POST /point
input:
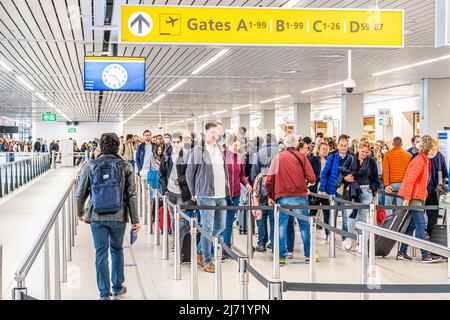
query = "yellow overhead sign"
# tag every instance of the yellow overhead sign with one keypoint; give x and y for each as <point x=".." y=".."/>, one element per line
<point x="261" y="26"/>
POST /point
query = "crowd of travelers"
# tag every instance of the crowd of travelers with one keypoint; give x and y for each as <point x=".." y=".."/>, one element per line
<point x="215" y="169"/>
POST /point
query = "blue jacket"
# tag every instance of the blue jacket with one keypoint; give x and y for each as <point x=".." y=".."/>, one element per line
<point x="140" y="155"/>
<point x="330" y="173"/>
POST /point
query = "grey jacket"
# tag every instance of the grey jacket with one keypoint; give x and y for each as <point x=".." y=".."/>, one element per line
<point x="84" y="191"/>
<point x="263" y="158"/>
<point x="199" y="172"/>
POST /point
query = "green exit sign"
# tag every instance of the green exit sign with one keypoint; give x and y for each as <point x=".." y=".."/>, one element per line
<point x="72" y="130"/>
<point x="48" y="117"/>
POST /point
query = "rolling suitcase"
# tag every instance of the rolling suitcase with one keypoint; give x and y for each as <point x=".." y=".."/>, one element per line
<point x="185" y="243"/>
<point x="161" y="219"/>
<point x="399" y="222"/>
<point x="439" y="233"/>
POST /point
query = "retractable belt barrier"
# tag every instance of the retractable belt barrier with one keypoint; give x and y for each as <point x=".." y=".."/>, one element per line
<point x="275" y="285"/>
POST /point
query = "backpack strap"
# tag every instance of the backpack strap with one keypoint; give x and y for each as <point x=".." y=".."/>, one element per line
<point x="299" y="161"/>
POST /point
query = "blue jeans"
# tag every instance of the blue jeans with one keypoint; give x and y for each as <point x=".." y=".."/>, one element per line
<point x="291" y="234"/>
<point x="226" y="234"/>
<point x="390" y="200"/>
<point x="213" y="222"/>
<point x="262" y="228"/>
<point x="344" y="217"/>
<point x="108" y="234"/>
<point x="365" y="198"/>
<point x="303" y="225"/>
<point x="381" y="197"/>
<point x="417" y="223"/>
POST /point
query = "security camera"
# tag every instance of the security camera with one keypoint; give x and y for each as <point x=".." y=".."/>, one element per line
<point x="160" y="127"/>
<point x="349" y="85"/>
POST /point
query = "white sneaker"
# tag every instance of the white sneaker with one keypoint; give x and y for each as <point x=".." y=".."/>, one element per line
<point x="348" y="244"/>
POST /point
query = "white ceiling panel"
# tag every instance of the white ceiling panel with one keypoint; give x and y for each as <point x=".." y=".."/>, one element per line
<point x="45" y="41"/>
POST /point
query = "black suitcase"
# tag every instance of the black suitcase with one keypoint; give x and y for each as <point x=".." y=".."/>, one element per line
<point x="185" y="243"/>
<point x="399" y="222"/>
<point x="439" y="233"/>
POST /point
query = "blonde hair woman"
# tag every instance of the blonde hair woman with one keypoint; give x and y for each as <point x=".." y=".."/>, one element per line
<point x="414" y="191"/>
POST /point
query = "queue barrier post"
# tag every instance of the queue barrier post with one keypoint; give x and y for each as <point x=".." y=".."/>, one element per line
<point x="312" y="255"/>
<point x="194" y="271"/>
<point x="156" y="235"/>
<point x="275" y="289"/>
<point x="243" y="277"/>
<point x="177" y="245"/>
<point x="249" y="230"/>
<point x="165" y="244"/>
<point x="218" y="294"/>
<point x="63" y="244"/>
<point x="150" y="210"/>
<point x="56" y="262"/>
<point x="1" y="271"/>
<point x="145" y="203"/>
<point x="372" y="219"/>
<point x="46" y="276"/>
<point x="276" y="245"/>
<point x="331" y="234"/>
<point x="364" y="269"/>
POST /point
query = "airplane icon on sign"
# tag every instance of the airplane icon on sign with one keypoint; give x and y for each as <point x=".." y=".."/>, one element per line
<point x="172" y="21"/>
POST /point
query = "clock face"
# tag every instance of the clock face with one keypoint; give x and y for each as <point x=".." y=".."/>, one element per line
<point x="114" y="76"/>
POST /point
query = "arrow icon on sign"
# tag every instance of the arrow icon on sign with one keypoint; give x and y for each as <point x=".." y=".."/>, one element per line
<point x="140" y="20"/>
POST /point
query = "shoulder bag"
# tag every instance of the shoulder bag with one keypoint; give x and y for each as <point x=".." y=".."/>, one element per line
<point x="441" y="188"/>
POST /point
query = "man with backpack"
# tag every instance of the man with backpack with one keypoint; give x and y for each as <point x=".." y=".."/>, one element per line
<point x="109" y="181"/>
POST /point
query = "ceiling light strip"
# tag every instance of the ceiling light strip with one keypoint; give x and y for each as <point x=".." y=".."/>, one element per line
<point x="210" y="61"/>
<point x="323" y="87"/>
<point x="242" y="107"/>
<point x="177" y="85"/>
<point x="275" y="99"/>
<point x="5" y="66"/>
<point x="409" y="66"/>
<point x="25" y="83"/>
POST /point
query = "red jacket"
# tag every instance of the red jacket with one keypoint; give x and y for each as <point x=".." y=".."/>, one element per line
<point x="286" y="178"/>
<point x="236" y="172"/>
<point x="414" y="185"/>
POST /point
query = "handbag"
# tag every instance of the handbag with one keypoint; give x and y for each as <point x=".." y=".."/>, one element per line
<point x="153" y="178"/>
<point x="441" y="188"/>
<point x="344" y="191"/>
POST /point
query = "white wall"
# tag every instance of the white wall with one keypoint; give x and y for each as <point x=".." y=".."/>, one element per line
<point x="86" y="131"/>
<point x="402" y="118"/>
